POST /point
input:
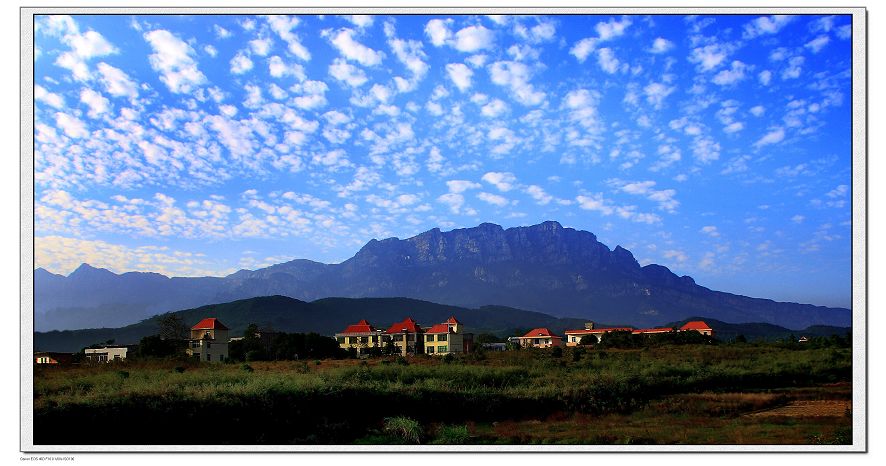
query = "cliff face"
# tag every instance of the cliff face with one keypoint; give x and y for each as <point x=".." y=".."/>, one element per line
<point x="545" y="267"/>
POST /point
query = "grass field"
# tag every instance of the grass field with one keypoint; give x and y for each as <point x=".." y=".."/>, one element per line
<point x="693" y="394"/>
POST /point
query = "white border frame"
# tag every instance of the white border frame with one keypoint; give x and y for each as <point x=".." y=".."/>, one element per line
<point x="859" y="232"/>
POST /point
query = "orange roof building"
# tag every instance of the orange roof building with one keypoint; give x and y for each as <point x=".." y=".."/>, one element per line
<point x="540" y="338"/>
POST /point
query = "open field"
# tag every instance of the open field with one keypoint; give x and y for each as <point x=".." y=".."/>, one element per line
<point x="694" y="394"/>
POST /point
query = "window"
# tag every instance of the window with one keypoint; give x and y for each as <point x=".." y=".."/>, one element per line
<point x="398" y="337"/>
<point x="374" y="339"/>
<point x="430" y="349"/>
<point x="221" y="357"/>
<point x="443" y="349"/>
<point x="208" y="357"/>
<point x="410" y="337"/>
<point x="364" y="340"/>
<point x="208" y="345"/>
<point x="441" y="337"/>
<point x="341" y="340"/>
<point x="430" y="338"/>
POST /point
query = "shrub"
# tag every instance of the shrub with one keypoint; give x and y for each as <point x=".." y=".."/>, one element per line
<point x="123" y="374"/>
<point x="452" y="435"/>
<point x="577" y="353"/>
<point x="247" y="367"/>
<point x="557" y="352"/>
<point x="401" y="361"/>
<point x="448" y="358"/>
<point x="316" y="362"/>
<point x="179" y="369"/>
<point x="406" y="429"/>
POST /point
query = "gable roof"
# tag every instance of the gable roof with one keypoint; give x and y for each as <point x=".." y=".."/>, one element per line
<point x="452" y="320"/>
<point x="209" y="323"/>
<point x="438" y="328"/>
<point x="407" y="324"/>
<point x="542" y="332"/>
<point x="696" y="325"/>
<point x="360" y="327"/>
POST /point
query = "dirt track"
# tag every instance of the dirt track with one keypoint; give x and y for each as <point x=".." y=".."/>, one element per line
<point x="814" y="408"/>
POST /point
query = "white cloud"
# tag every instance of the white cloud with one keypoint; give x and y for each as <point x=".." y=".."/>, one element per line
<point x="594" y="202"/>
<point x="172" y="58"/>
<point x="460" y="186"/>
<point x="607" y="61"/>
<point x="731" y="76"/>
<point x="538" y="193"/>
<point x="353" y="50"/>
<point x="815" y="45"/>
<point x="117" y="82"/>
<point x="53" y="100"/>
<point x="612" y="28"/>
<point x="438" y="31"/>
<point x="583" y="48"/>
<point x="347" y="73"/>
<point x="283" y="25"/>
<point x="493" y="199"/>
<point x="794" y="68"/>
<point x="97" y="103"/>
<point x="758" y="110"/>
<point x="494" y="108"/>
<point x="515" y="76"/>
<point x="676" y="255"/>
<point x="710" y="230"/>
<point x="504" y="181"/>
<point x="734" y="127"/>
<point x="661" y="45"/>
<point x="765" y="77"/>
<point x="261" y="47"/>
<point x="454" y="201"/>
<point x="774" y="136"/>
<point x="766" y="25"/>
<point x="70" y="125"/>
<point x="278" y="68"/>
<point x="656" y="93"/>
<point x="542" y="32"/>
<point x="460" y="74"/>
<point x="474" y="38"/>
<point x="710" y="56"/>
<point x="798" y="219"/>
<point x="240" y="63"/>
<point x="361" y="21"/>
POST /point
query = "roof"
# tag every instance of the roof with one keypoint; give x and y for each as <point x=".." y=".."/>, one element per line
<point x="654" y="330"/>
<point x="209" y="323"/>
<point x="360" y="327"/>
<point x="696" y="325"/>
<point x="438" y="328"/>
<point x="407" y="324"/>
<point x="585" y="331"/>
<point x="452" y="320"/>
<point x="539" y="332"/>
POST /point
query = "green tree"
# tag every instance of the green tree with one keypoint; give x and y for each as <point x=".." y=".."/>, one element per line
<point x="588" y="340"/>
<point x="171" y="327"/>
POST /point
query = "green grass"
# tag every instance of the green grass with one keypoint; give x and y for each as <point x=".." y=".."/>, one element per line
<point x="349" y="401"/>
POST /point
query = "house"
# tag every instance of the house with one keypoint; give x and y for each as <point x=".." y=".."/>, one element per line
<point x="108" y="353"/>
<point x="699" y="326"/>
<point x="573" y="337"/>
<point x="540" y="338"/>
<point x="495" y="346"/>
<point x="209" y="340"/>
<point x="361" y="336"/>
<point x="448" y="337"/>
<point x="54" y="358"/>
<point x="407" y="337"/>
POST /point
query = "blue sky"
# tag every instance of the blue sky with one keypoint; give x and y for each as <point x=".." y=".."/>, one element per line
<point x="718" y="146"/>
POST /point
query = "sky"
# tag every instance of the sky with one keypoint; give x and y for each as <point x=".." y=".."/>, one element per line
<point x="718" y="146"/>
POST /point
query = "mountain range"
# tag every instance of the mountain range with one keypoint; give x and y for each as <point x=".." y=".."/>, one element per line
<point x="544" y="268"/>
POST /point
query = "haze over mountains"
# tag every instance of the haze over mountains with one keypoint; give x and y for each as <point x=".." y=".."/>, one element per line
<point x="544" y="268"/>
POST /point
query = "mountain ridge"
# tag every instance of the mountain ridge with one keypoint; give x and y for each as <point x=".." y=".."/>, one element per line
<point x="545" y="268"/>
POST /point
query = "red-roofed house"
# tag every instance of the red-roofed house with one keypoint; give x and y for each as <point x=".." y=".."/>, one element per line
<point x="209" y="340"/>
<point x="361" y="336"/>
<point x="540" y="338"/>
<point x="699" y="326"/>
<point x="448" y="337"/>
<point x="573" y="337"/>
<point x="407" y="336"/>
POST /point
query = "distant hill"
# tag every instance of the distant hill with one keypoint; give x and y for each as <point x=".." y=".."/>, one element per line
<point x="324" y="316"/>
<point x="545" y="268"/>
<point x="330" y="315"/>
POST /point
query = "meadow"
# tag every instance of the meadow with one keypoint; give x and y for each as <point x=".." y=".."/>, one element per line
<point x="688" y="394"/>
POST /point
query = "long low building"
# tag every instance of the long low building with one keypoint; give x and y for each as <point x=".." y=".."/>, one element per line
<point x="573" y="337"/>
<point x="407" y="337"/>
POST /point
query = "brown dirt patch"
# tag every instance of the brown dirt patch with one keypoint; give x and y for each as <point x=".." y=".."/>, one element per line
<point x="809" y="408"/>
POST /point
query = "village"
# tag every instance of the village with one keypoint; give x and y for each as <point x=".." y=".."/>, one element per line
<point x="209" y="340"/>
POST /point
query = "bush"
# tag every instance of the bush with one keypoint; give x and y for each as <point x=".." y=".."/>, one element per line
<point x="179" y="369"/>
<point x="452" y="435"/>
<point x="577" y="353"/>
<point x="401" y="361"/>
<point x="123" y="374"/>
<point x="405" y="429"/>
<point x="557" y="352"/>
<point x="247" y="368"/>
<point x="448" y="358"/>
